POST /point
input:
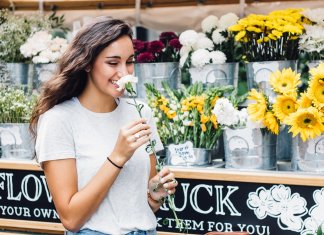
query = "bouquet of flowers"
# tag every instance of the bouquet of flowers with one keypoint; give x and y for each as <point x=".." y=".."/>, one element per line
<point x="271" y="115"/>
<point x="312" y="41"/>
<point x="214" y="45"/>
<point x="187" y="114"/>
<point x="15" y="106"/>
<point x="270" y="37"/>
<point x="41" y="47"/>
<point x="166" y="49"/>
<point x="15" y="30"/>
<point x="307" y="116"/>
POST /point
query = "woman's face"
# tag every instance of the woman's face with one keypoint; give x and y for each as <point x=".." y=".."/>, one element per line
<point x="114" y="62"/>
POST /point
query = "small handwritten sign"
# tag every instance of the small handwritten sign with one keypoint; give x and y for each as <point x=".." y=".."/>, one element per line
<point x="182" y="153"/>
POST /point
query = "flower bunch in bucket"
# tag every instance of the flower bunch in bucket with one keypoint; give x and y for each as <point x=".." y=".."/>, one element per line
<point x="307" y="116"/>
<point x="15" y="106"/>
<point x="166" y="49"/>
<point x="186" y="114"/>
<point x="312" y="41"/>
<point x="214" y="45"/>
<point x="270" y="37"/>
<point x="41" y="47"/>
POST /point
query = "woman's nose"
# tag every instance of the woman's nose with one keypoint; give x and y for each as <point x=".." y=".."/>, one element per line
<point x="123" y="71"/>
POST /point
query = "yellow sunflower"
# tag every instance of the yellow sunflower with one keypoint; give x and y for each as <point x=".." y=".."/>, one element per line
<point x="283" y="106"/>
<point x="257" y="110"/>
<point x="304" y="101"/>
<point x="285" y="81"/>
<point x="271" y="122"/>
<point x="316" y="93"/>
<point x="317" y="75"/>
<point x="306" y="122"/>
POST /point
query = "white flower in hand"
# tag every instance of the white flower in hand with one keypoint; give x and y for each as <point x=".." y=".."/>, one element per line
<point x="124" y="80"/>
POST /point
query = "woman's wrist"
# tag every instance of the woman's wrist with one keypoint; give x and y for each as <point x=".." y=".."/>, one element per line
<point x="116" y="159"/>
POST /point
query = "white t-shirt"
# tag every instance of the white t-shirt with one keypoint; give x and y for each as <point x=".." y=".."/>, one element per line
<point x="69" y="130"/>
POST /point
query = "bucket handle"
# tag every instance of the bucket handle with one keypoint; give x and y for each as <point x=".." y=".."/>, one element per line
<point x="241" y="139"/>
<point x="316" y="144"/>
<point x="213" y="71"/>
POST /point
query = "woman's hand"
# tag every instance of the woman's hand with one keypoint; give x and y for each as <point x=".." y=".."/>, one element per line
<point x="130" y="138"/>
<point x="162" y="185"/>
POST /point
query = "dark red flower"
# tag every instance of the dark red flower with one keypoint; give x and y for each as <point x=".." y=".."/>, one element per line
<point x="155" y="47"/>
<point x="175" y="44"/>
<point x="139" y="46"/>
<point x="166" y="37"/>
<point x="145" y="57"/>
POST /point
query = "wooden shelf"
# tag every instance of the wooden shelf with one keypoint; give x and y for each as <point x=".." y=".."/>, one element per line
<point x="113" y="4"/>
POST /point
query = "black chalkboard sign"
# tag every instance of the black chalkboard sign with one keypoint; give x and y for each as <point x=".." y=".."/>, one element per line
<point x="262" y="203"/>
<point x="258" y="208"/>
<point x="24" y="196"/>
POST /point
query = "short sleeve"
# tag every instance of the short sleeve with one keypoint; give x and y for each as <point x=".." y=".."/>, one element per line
<point x="54" y="139"/>
<point x="151" y="121"/>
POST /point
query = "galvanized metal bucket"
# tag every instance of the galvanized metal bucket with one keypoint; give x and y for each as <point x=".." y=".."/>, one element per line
<point x="201" y="157"/>
<point x="216" y="74"/>
<point x="19" y="74"/>
<point x="42" y="73"/>
<point x="284" y="142"/>
<point x="155" y="73"/>
<point x="248" y="148"/>
<point x="16" y="141"/>
<point x="258" y="74"/>
<point x="309" y="155"/>
<point x="314" y="63"/>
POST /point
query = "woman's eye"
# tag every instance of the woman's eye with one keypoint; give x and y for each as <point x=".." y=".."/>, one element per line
<point x="112" y="63"/>
<point x="130" y="62"/>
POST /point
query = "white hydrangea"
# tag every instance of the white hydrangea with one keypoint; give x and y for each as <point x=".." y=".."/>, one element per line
<point x="42" y="48"/>
<point x="204" y="43"/>
<point x="209" y="23"/>
<point x="217" y="57"/>
<point x="227" y="20"/>
<point x="217" y="37"/>
<point x="315" y="15"/>
<point x="199" y="58"/>
<point x="188" y="38"/>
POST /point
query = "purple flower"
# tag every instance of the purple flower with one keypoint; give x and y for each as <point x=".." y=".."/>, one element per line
<point x="175" y="44"/>
<point x="155" y="47"/>
<point x="139" y="46"/>
<point x="166" y="37"/>
<point x="145" y="57"/>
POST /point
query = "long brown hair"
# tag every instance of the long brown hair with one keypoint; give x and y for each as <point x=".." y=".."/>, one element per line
<point x="71" y="78"/>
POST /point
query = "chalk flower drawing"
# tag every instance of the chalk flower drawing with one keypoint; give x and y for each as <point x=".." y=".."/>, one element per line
<point x="279" y="203"/>
<point x="261" y="202"/>
<point x="316" y="213"/>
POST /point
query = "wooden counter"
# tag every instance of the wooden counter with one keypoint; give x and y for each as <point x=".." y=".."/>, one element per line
<point x="207" y="199"/>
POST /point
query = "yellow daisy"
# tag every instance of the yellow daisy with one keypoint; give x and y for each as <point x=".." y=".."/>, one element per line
<point x="304" y="101"/>
<point x="271" y="122"/>
<point x="285" y="81"/>
<point x="306" y="122"/>
<point x="257" y="110"/>
<point x="283" y="106"/>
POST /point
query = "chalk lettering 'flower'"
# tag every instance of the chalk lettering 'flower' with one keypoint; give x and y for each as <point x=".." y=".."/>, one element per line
<point x="124" y="80"/>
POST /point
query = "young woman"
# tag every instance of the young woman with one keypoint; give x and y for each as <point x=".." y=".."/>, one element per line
<point x="92" y="144"/>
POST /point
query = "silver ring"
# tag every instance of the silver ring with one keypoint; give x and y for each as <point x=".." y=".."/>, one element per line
<point x="175" y="181"/>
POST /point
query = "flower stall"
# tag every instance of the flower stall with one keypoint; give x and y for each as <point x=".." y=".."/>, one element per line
<point x="226" y="150"/>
